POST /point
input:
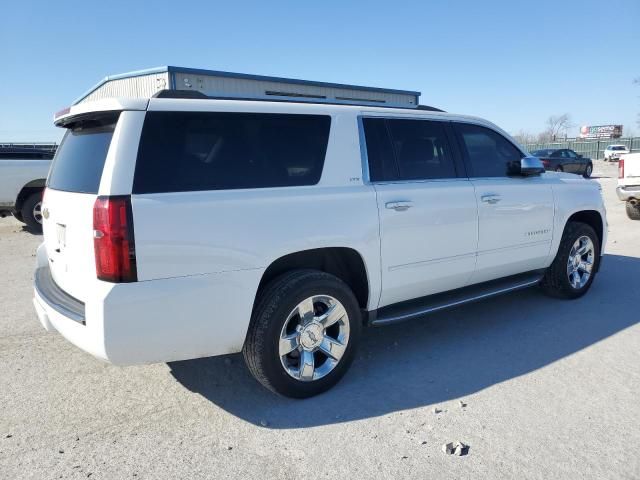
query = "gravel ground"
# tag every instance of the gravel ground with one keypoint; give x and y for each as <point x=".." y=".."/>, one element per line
<point x="551" y="391"/>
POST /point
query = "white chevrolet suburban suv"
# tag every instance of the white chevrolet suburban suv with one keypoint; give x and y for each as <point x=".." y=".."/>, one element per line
<point x="183" y="228"/>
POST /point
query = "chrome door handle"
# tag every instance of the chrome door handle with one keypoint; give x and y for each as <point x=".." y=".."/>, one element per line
<point x="490" y="198"/>
<point x="399" y="206"/>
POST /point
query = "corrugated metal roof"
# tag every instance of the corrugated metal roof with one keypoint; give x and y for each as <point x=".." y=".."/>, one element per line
<point x="216" y="73"/>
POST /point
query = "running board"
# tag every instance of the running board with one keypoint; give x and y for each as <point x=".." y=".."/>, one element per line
<point x="433" y="303"/>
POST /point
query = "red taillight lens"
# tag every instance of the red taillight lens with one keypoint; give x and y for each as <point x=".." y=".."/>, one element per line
<point x="621" y="168"/>
<point x="113" y="239"/>
<point x="546" y="163"/>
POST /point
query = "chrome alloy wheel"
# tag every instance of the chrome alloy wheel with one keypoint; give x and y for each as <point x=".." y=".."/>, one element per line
<point x="580" y="262"/>
<point x="314" y="338"/>
<point x="37" y="212"/>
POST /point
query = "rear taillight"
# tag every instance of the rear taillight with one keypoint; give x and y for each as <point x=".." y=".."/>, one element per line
<point x="113" y="239"/>
<point x="621" y="168"/>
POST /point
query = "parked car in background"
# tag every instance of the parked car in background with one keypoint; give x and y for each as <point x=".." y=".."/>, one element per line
<point x="177" y="228"/>
<point x="629" y="184"/>
<point x="23" y="173"/>
<point x="613" y="152"/>
<point x="564" y="160"/>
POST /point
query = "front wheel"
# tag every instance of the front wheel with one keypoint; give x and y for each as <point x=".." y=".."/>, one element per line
<point x="588" y="171"/>
<point x="303" y="333"/>
<point x="574" y="268"/>
<point x="633" y="211"/>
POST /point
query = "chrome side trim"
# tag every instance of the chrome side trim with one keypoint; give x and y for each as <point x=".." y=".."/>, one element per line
<point x="364" y="158"/>
<point x="436" y="308"/>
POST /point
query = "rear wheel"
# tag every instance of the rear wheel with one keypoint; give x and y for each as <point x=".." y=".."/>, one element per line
<point x="31" y="211"/>
<point x="633" y="211"/>
<point x="588" y="171"/>
<point x="573" y="270"/>
<point x="303" y="333"/>
<point x="559" y="169"/>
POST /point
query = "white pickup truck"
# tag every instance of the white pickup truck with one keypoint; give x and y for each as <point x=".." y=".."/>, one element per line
<point x="177" y="228"/>
<point x="629" y="184"/>
<point x="23" y="173"/>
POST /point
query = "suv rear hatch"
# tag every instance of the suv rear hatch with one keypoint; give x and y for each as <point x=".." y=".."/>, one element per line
<point x="72" y="189"/>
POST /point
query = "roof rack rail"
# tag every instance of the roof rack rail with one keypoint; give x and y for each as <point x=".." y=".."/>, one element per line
<point x="197" y="95"/>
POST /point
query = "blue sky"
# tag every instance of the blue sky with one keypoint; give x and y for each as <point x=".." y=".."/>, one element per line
<point x="512" y="62"/>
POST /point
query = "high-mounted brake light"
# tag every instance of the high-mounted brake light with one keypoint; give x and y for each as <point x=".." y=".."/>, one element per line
<point x="62" y="112"/>
<point x="113" y="239"/>
<point x="621" y="168"/>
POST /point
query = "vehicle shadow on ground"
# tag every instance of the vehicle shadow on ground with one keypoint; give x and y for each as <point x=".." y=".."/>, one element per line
<point x="32" y="231"/>
<point x="435" y="359"/>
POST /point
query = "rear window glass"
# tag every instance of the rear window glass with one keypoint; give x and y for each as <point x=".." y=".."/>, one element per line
<point x="617" y="148"/>
<point x="194" y="151"/>
<point x="77" y="166"/>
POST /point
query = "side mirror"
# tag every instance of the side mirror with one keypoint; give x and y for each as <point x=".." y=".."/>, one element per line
<point x="530" y="166"/>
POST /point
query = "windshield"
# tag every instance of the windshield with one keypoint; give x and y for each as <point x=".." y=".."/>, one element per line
<point x="77" y="166"/>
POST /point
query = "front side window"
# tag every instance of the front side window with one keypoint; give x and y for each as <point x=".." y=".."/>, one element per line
<point x="196" y="151"/>
<point x="401" y="149"/>
<point x="489" y="153"/>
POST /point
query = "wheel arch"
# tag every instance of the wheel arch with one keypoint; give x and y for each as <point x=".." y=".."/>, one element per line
<point x="344" y="262"/>
<point x="593" y="218"/>
<point x="30" y="188"/>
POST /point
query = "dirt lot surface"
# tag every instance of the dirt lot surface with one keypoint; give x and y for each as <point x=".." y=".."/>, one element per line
<point x="551" y="390"/>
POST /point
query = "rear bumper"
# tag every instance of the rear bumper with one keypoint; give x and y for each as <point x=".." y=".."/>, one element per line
<point x="158" y="320"/>
<point x="627" y="193"/>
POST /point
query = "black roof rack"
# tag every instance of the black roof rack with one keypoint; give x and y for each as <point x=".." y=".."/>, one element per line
<point x="197" y="95"/>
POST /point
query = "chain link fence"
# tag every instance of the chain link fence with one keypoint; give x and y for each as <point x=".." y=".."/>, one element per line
<point x="589" y="148"/>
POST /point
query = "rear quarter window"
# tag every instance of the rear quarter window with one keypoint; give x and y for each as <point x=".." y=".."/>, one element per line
<point x="79" y="161"/>
<point x="196" y="151"/>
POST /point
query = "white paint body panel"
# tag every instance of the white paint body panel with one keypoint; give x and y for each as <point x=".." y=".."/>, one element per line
<point x="201" y="255"/>
<point x="15" y="174"/>
<point x="515" y="233"/>
<point x="631" y="170"/>
<point x="430" y="247"/>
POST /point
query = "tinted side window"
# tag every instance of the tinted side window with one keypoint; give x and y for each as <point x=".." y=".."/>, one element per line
<point x="191" y="151"/>
<point x="382" y="166"/>
<point x="77" y="166"/>
<point x="489" y="153"/>
<point x="421" y="149"/>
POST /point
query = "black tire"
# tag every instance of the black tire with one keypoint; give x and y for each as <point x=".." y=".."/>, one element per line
<point x="18" y="216"/>
<point x="633" y="211"/>
<point x="556" y="279"/>
<point x="588" y="171"/>
<point x="274" y="304"/>
<point x="559" y="169"/>
<point x="27" y="212"/>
